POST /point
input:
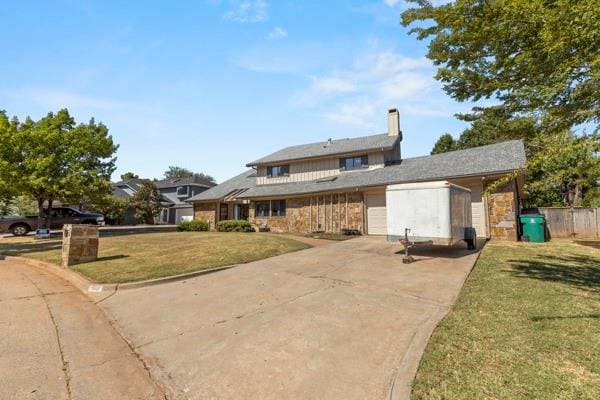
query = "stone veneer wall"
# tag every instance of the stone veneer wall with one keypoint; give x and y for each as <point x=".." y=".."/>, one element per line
<point x="80" y="244"/>
<point x="328" y="213"/>
<point x="502" y="211"/>
<point x="206" y="212"/>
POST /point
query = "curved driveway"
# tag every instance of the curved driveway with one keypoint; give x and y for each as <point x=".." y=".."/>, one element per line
<point x="342" y="321"/>
<point x="56" y="344"/>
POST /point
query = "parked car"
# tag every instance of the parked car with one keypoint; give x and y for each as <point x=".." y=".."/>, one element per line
<point x="21" y="225"/>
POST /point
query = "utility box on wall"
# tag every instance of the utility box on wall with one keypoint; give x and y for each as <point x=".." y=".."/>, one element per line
<point x="80" y="244"/>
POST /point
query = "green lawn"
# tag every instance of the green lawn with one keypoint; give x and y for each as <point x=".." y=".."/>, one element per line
<point x="526" y="326"/>
<point x="135" y="257"/>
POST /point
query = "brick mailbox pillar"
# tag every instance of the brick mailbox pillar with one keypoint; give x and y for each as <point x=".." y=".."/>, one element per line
<point x="80" y="244"/>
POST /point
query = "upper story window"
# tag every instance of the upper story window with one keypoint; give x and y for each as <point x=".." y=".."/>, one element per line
<point x="182" y="190"/>
<point x="357" y="162"/>
<point x="278" y="170"/>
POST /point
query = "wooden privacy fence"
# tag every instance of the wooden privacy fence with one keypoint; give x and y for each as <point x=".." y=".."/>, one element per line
<point x="572" y="222"/>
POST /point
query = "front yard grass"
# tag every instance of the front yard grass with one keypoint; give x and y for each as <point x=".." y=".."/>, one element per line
<point x="526" y="326"/>
<point x="136" y="257"/>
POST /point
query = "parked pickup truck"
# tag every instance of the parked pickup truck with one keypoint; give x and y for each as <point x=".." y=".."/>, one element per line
<point x="20" y="226"/>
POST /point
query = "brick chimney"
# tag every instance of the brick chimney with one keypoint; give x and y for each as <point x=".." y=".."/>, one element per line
<point x="394" y="123"/>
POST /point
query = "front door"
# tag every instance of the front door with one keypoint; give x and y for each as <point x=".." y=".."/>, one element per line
<point x="223" y="212"/>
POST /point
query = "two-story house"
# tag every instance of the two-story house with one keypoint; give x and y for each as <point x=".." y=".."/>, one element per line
<point x="173" y="192"/>
<point x="340" y="184"/>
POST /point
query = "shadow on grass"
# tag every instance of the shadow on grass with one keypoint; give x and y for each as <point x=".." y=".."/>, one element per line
<point x="590" y="243"/>
<point x="30" y="247"/>
<point x="108" y="258"/>
<point x="576" y="271"/>
<point x="558" y="317"/>
<point x="109" y="232"/>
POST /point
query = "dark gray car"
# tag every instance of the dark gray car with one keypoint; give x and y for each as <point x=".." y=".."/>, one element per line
<point x="20" y="226"/>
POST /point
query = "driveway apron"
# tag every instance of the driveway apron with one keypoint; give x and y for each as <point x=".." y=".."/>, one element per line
<point x="343" y="321"/>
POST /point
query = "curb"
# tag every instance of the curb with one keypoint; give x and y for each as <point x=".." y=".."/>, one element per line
<point x="174" y="278"/>
<point x="76" y="279"/>
<point x="83" y="284"/>
<point x="88" y="287"/>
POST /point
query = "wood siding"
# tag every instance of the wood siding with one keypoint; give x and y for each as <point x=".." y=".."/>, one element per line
<point x="314" y="169"/>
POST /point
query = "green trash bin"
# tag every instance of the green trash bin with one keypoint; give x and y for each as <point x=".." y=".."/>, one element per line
<point x="534" y="227"/>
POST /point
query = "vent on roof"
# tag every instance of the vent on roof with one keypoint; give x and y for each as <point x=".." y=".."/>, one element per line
<point x="327" y="179"/>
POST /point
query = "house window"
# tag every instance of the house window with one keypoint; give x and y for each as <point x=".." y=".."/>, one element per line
<point x="223" y="212"/>
<point x="182" y="191"/>
<point x="357" y="162"/>
<point x="278" y="208"/>
<point x="262" y="209"/>
<point x="278" y="170"/>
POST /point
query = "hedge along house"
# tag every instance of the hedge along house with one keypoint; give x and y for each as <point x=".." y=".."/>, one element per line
<point x="339" y="185"/>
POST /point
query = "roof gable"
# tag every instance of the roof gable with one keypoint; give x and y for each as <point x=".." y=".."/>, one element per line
<point x="330" y="148"/>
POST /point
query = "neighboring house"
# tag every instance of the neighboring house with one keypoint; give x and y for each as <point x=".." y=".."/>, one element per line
<point x="340" y="184"/>
<point x="173" y="192"/>
<point x="124" y="190"/>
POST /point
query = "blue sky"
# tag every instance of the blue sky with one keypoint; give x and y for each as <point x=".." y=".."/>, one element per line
<point x="210" y="85"/>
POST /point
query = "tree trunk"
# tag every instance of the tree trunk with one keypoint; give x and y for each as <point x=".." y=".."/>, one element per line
<point x="49" y="211"/>
<point x="41" y="219"/>
<point x="578" y="196"/>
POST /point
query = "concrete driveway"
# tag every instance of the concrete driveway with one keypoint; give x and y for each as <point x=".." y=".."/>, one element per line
<point x="342" y="321"/>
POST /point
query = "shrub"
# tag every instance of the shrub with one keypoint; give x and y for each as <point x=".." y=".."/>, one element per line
<point x="193" y="226"/>
<point x="234" y="225"/>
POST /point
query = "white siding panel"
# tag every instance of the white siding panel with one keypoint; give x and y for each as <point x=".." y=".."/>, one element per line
<point x="314" y="169"/>
<point x="478" y="208"/>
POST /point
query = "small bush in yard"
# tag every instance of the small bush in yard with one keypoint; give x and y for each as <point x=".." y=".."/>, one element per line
<point x="234" y="225"/>
<point x="193" y="226"/>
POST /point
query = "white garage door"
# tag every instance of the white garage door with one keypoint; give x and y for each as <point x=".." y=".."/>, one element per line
<point x="479" y="212"/>
<point x="184" y="214"/>
<point x="376" y="214"/>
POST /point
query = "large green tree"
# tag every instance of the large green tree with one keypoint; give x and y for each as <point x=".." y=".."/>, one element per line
<point x="174" y="172"/>
<point x="444" y="144"/>
<point x="536" y="66"/>
<point x="536" y="57"/>
<point x="55" y="159"/>
<point x="129" y="175"/>
<point x="146" y="202"/>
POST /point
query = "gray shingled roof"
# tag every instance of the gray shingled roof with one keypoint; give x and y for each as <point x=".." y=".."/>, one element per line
<point x="244" y="180"/>
<point x="320" y="149"/>
<point x="188" y="180"/>
<point x="484" y="160"/>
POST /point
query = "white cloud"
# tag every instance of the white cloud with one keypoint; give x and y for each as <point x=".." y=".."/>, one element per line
<point x="391" y="3"/>
<point x="248" y="11"/>
<point x="376" y="81"/>
<point x="333" y="85"/>
<point x="277" y="33"/>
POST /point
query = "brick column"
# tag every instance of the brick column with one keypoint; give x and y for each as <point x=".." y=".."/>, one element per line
<point x="80" y="244"/>
<point x="502" y="212"/>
